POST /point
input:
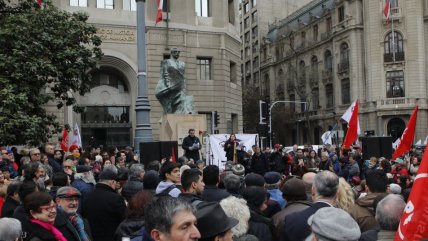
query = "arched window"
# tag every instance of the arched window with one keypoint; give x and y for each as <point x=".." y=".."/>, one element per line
<point x="328" y="60"/>
<point x="302" y="71"/>
<point x="314" y="65"/>
<point x="393" y="47"/>
<point x="110" y="78"/>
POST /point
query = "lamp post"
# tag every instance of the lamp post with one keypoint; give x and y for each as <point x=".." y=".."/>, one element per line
<point x="270" y="115"/>
<point x="143" y="131"/>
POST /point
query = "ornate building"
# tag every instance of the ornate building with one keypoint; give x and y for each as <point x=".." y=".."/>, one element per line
<point x="206" y="32"/>
<point x="332" y="52"/>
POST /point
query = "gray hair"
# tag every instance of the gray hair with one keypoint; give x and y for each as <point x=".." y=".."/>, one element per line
<point x="232" y="182"/>
<point x="10" y="229"/>
<point x="111" y="168"/>
<point x="159" y="214"/>
<point x="135" y="170"/>
<point x="237" y="208"/>
<point x="326" y="184"/>
<point x="389" y="211"/>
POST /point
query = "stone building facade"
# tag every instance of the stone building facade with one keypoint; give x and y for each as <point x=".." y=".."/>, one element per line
<point x="207" y="34"/>
<point x="331" y="52"/>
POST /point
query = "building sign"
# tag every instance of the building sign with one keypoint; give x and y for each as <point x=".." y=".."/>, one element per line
<point x="117" y="35"/>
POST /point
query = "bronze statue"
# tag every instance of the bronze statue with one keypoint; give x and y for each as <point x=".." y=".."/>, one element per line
<point x="171" y="88"/>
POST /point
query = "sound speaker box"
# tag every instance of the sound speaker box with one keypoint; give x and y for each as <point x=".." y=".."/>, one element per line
<point x="377" y="146"/>
<point x="151" y="151"/>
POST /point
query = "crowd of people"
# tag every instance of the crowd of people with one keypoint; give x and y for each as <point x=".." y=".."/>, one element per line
<point x="97" y="194"/>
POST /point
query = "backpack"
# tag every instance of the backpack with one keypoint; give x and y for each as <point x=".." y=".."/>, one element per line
<point x="166" y="191"/>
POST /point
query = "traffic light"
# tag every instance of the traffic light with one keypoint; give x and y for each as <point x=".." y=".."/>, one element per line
<point x="216" y="118"/>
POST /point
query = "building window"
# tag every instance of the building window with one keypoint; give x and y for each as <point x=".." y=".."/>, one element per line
<point x="105" y="114"/>
<point x="341" y="13"/>
<point x="314" y="69"/>
<point x="247" y="36"/>
<point x="130" y="5"/>
<point x="315" y="32"/>
<point x="254" y="17"/>
<point x="246" y="22"/>
<point x="202" y="8"/>
<point x="344" y="58"/>
<point x="255" y="47"/>
<point x="109" y="79"/>
<point x="255" y="32"/>
<point x="79" y="3"/>
<point x="246" y="8"/>
<point x="328" y="60"/>
<point x="393" y="47"/>
<point x="292" y="102"/>
<point x="328" y="24"/>
<point x="303" y="104"/>
<point x="266" y="87"/>
<point x="253" y="3"/>
<point x="247" y="52"/>
<point x="302" y="71"/>
<point x="256" y="62"/>
<point x="329" y="94"/>
<point x="394" y="3"/>
<point x="315" y="99"/>
<point x="232" y="71"/>
<point x="204" y="68"/>
<point x="231" y="9"/>
<point x="107" y="4"/>
<point x="395" y="84"/>
<point x="346" y="91"/>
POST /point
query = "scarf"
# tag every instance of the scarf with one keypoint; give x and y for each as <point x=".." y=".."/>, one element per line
<point x="58" y="235"/>
<point x="78" y="224"/>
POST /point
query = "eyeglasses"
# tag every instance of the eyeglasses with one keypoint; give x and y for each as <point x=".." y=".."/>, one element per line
<point x="50" y="208"/>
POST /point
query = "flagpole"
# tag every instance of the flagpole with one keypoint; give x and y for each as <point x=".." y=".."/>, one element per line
<point x="167" y="29"/>
<point x="392" y="31"/>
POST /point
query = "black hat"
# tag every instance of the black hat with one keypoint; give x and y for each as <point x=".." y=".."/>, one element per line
<point x="83" y="168"/>
<point x="108" y="175"/>
<point x="272" y="177"/>
<point x="212" y="220"/>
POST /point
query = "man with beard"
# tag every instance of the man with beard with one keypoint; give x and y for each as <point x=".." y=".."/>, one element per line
<point x="68" y="221"/>
<point x="193" y="186"/>
<point x="84" y="180"/>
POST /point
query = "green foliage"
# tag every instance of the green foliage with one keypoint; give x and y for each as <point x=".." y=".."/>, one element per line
<point x="46" y="55"/>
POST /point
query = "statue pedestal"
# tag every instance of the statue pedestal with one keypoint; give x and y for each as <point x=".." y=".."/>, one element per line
<point x="175" y="127"/>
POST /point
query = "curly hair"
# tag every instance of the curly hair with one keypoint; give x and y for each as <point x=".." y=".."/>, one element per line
<point x="237" y="208"/>
<point x="345" y="196"/>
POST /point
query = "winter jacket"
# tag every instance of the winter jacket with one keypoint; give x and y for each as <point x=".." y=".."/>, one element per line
<point x="214" y="194"/>
<point x="130" y="227"/>
<point x="260" y="226"/>
<point x="169" y="188"/>
<point x="36" y="232"/>
<point x="188" y="142"/>
<point x="291" y="207"/>
<point x="83" y="187"/>
<point x="8" y="207"/>
<point x="191" y="198"/>
<point x="259" y="164"/>
<point x="363" y="212"/>
<point x="63" y="224"/>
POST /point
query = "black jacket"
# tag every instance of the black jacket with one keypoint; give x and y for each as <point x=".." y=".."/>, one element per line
<point x="63" y="224"/>
<point x="131" y="187"/>
<point x="36" y="232"/>
<point x="259" y="164"/>
<point x="193" y="199"/>
<point x="129" y="228"/>
<point x="188" y="141"/>
<point x="229" y="148"/>
<point x="260" y="226"/>
<point x="104" y="208"/>
<point x="8" y="207"/>
<point x="214" y="194"/>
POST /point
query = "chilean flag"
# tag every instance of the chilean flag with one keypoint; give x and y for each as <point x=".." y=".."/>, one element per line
<point x="413" y="224"/>
<point x="407" y="137"/>
<point x="353" y="125"/>
<point x="387" y="9"/>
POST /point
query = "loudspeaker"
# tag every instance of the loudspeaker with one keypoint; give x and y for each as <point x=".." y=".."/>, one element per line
<point x="151" y="151"/>
<point x="377" y="146"/>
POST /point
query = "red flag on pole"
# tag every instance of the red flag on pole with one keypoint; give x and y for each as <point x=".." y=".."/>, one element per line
<point x="407" y="137"/>
<point x="173" y="158"/>
<point x="387" y="9"/>
<point x="352" y="133"/>
<point x="160" y="9"/>
<point x="64" y="141"/>
<point x="413" y="224"/>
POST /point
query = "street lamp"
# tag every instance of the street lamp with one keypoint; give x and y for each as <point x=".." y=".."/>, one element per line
<point x="270" y="115"/>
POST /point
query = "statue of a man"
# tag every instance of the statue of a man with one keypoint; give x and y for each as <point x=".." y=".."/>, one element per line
<point x="171" y="88"/>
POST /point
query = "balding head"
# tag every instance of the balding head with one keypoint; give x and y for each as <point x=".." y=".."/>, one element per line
<point x="389" y="211"/>
<point x="325" y="185"/>
<point x="308" y="179"/>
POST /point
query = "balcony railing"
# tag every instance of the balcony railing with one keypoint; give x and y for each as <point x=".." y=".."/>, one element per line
<point x="343" y="67"/>
<point x="389" y="57"/>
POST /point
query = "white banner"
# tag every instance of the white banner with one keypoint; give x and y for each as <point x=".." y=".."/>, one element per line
<point x="216" y="155"/>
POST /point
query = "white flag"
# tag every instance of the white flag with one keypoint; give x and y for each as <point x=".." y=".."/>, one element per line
<point x="418" y="143"/>
<point x="76" y="140"/>
<point x="395" y="144"/>
<point x="347" y="116"/>
<point x="326" y="138"/>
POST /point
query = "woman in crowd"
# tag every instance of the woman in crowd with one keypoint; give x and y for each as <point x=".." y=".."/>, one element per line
<point x="313" y="161"/>
<point x="345" y="196"/>
<point x="413" y="165"/>
<point x="41" y="211"/>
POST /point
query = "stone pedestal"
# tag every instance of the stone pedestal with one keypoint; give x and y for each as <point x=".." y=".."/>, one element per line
<point x="176" y="127"/>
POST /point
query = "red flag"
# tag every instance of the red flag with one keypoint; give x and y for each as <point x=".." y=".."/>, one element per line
<point x="159" y="14"/>
<point x="387" y="9"/>
<point x="413" y="224"/>
<point x="173" y="155"/>
<point x="352" y="133"/>
<point x="64" y="141"/>
<point x="407" y="137"/>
